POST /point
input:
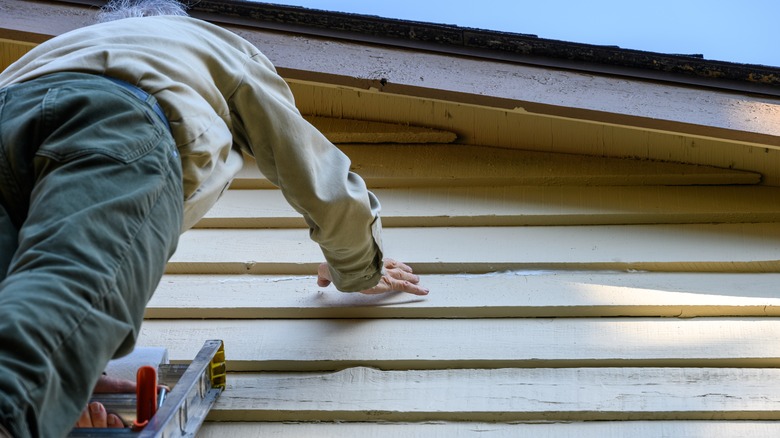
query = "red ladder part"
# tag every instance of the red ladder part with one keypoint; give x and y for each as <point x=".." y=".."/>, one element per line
<point x="146" y="396"/>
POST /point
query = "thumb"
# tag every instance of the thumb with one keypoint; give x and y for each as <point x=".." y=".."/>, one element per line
<point x="323" y="275"/>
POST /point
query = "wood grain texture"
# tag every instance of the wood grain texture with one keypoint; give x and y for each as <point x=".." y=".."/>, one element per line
<point x="404" y="344"/>
<point x="522" y="205"/>
<point x="536" y="90"/>
<point x="10" y="51"/>
<point x="438" y="429"/>
<point x="466" y="165"/>
<point x="505" y="395"/>
<point x="491" y="347"/>
<point x="363" y="131"/>
<point x="686" y="136"/>
<point x="525" y="89"/>
<point x="699" y="247"/>
<point x="517" y="294"/>
<point x="517" y="130"/>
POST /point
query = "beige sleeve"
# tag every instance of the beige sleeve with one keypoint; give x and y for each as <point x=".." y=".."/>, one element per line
<point x="313" y="174"/>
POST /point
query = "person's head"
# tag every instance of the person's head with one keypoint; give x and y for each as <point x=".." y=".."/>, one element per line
<point x="118" y="9"/>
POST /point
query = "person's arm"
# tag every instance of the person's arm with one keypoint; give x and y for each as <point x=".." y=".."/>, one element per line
<point x="313" y="175"/>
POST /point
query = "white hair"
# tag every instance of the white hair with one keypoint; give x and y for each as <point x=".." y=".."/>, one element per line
<point x="118" y="9"/>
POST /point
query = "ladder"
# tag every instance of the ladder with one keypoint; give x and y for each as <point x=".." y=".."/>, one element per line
<point x="180" y="412"/>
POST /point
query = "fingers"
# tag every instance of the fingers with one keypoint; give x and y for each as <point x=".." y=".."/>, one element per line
<point x="108" y="384"/>
<point x="85" y="420"/>
<point x="95" y="415"/>
<point x="323" y="275"/>
<point x="391" y="264"/>
<point x="398" y="277"/>
<point x="395" y="285"/>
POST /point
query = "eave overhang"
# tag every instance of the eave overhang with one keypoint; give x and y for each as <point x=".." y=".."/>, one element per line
<point x="681" y="95"/>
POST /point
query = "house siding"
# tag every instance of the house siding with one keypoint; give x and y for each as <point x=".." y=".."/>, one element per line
<point x="594" y="271"/>
<point x="596" y="309"/>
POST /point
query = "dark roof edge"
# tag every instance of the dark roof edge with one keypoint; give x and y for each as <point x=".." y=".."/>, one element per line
<point x="493" y="45"/>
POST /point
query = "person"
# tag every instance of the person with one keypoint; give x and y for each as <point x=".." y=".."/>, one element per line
<point x="114" y="139"/>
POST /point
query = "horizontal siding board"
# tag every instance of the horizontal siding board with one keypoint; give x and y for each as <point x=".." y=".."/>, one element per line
<point x="505" y="395"/>
<point x="474" y="84"/>
<point x="308" y="344"/>
<point x="522" y="205"/>
<point x="466" y="165"/>
<point x="518" y="294"/>
<point x="10" y="51"/>
<point x="525" y="393"/>
<point x="590" y="429"/>
<point x="690" y="247"/>
<point x="339" y="130"/>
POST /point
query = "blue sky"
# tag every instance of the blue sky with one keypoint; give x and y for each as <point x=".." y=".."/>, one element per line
<point x="724" y="30"/>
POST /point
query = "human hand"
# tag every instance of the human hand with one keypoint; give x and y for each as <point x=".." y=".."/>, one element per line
<point x="108" y="384"/>
<point x="95" y="415"/>
<point x="397" y="276"/>
<point x="112" y="385"/>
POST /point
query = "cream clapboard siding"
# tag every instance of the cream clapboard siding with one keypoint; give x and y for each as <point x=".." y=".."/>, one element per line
<point x="593" y="429"/>
<point x="663" y="322"/>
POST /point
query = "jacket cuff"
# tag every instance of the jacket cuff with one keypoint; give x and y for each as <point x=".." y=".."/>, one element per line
<point x="371" y="275"/>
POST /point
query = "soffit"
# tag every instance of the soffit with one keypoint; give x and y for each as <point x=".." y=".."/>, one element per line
<point x="491" y="102"/>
